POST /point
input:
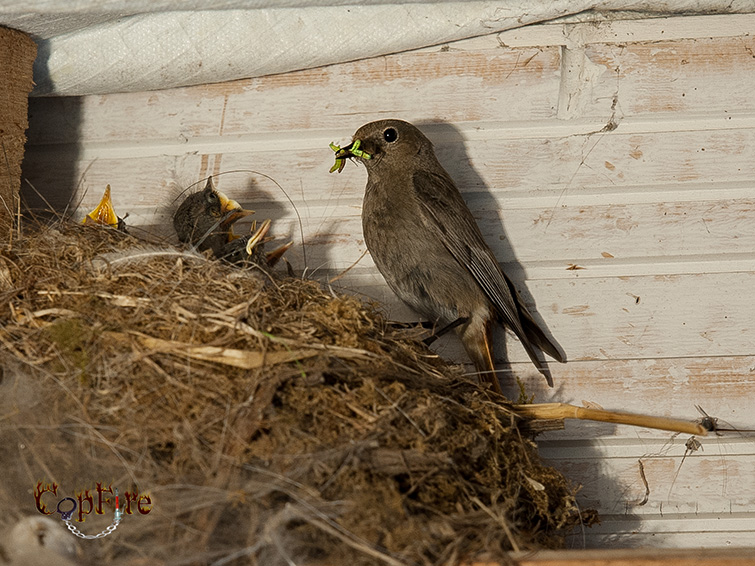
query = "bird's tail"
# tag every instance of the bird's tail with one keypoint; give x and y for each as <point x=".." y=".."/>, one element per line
<point x="537" y="359"/>
<point x="534" y="339"/>
<point x="536" y="336"/>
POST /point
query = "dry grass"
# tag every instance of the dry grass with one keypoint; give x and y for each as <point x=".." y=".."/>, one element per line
<point x="270" y="421"/>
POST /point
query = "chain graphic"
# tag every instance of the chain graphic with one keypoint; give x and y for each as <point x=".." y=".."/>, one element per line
<point x="66" y="517"/>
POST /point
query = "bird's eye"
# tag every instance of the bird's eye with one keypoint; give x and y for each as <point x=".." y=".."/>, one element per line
<point x="390" y="135"/>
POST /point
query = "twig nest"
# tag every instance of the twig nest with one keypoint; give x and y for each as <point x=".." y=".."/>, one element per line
<point x="269" y="423"/>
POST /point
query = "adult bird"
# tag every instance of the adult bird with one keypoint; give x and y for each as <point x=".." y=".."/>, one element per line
<point x="428" y="247"/>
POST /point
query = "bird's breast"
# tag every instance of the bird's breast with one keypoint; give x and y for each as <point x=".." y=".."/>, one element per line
<point x="412" y="258"/>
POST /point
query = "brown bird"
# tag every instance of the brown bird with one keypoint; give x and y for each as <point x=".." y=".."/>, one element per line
<point x="428" y="247"/>
<point x="205" y="219"/>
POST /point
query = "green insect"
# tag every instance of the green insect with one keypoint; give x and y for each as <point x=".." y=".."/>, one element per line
<point x="342" y="154"/>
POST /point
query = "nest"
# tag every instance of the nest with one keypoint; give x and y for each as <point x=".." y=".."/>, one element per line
<point x="269" y="420"/>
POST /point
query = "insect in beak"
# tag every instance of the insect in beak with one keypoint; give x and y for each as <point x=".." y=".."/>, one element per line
<point x="344" y="153"/>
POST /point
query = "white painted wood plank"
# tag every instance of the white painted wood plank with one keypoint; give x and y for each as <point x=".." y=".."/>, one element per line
<point x="714" y="479"/>
<point x="710" y="491"/>
<point x="444" y="85"/>
<point x="486" y="84"/>
<point x="686" y="76"/>
<point x="715" y="531"/>
<point x="629" y="30"/>
<point x="600" y="319"/>
<point x="540" y="172"/>
<point x="543" y="161"/>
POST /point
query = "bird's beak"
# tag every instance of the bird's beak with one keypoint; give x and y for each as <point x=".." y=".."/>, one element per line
<point x="274" y="256"/>
<point x="103" y="214"/>
<point x="232" y="212"/>
<point x="344" y="153"/>
<point x="257" y="236"/>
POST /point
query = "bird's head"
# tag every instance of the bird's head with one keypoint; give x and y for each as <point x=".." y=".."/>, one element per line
<point x="383" y="144"/>
<point x="225" y="210"/>
<point x="205" y="218"/>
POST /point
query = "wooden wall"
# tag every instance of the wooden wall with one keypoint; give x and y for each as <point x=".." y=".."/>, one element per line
<point x="611" y="168"/>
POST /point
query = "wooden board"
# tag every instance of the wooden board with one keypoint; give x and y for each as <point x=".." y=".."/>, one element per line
<point x="610" y="167"/>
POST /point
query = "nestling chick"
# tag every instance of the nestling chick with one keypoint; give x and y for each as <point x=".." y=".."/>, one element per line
<point x="205" y="219"/>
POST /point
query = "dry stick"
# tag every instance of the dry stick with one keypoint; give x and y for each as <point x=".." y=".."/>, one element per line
<point x="566" y="411"/>
<point x="345" y="271"/>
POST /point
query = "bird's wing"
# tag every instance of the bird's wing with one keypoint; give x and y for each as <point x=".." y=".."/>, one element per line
<point x="447" y="215"/>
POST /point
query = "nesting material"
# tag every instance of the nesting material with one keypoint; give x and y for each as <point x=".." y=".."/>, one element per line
<point x="271" y="421"/>
<point x="37" y="540"/>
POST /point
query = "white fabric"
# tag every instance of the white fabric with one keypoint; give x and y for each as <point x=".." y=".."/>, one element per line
<point x="104" y="46"/>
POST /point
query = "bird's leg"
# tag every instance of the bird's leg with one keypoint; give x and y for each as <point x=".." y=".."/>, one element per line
<point x="477" y="339"/>
<point x="448" y="327"/>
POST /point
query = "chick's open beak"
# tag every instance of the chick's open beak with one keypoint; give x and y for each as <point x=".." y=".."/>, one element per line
<point x="103" y="214"/>
<point x="274" y="256"/>
<point x="232" y="212"/>
<point x="258" y="237"/>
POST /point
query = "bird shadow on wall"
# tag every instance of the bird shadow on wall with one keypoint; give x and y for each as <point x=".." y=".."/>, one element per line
<point x="450" y="147"/>
<point x="607" y="494"/>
